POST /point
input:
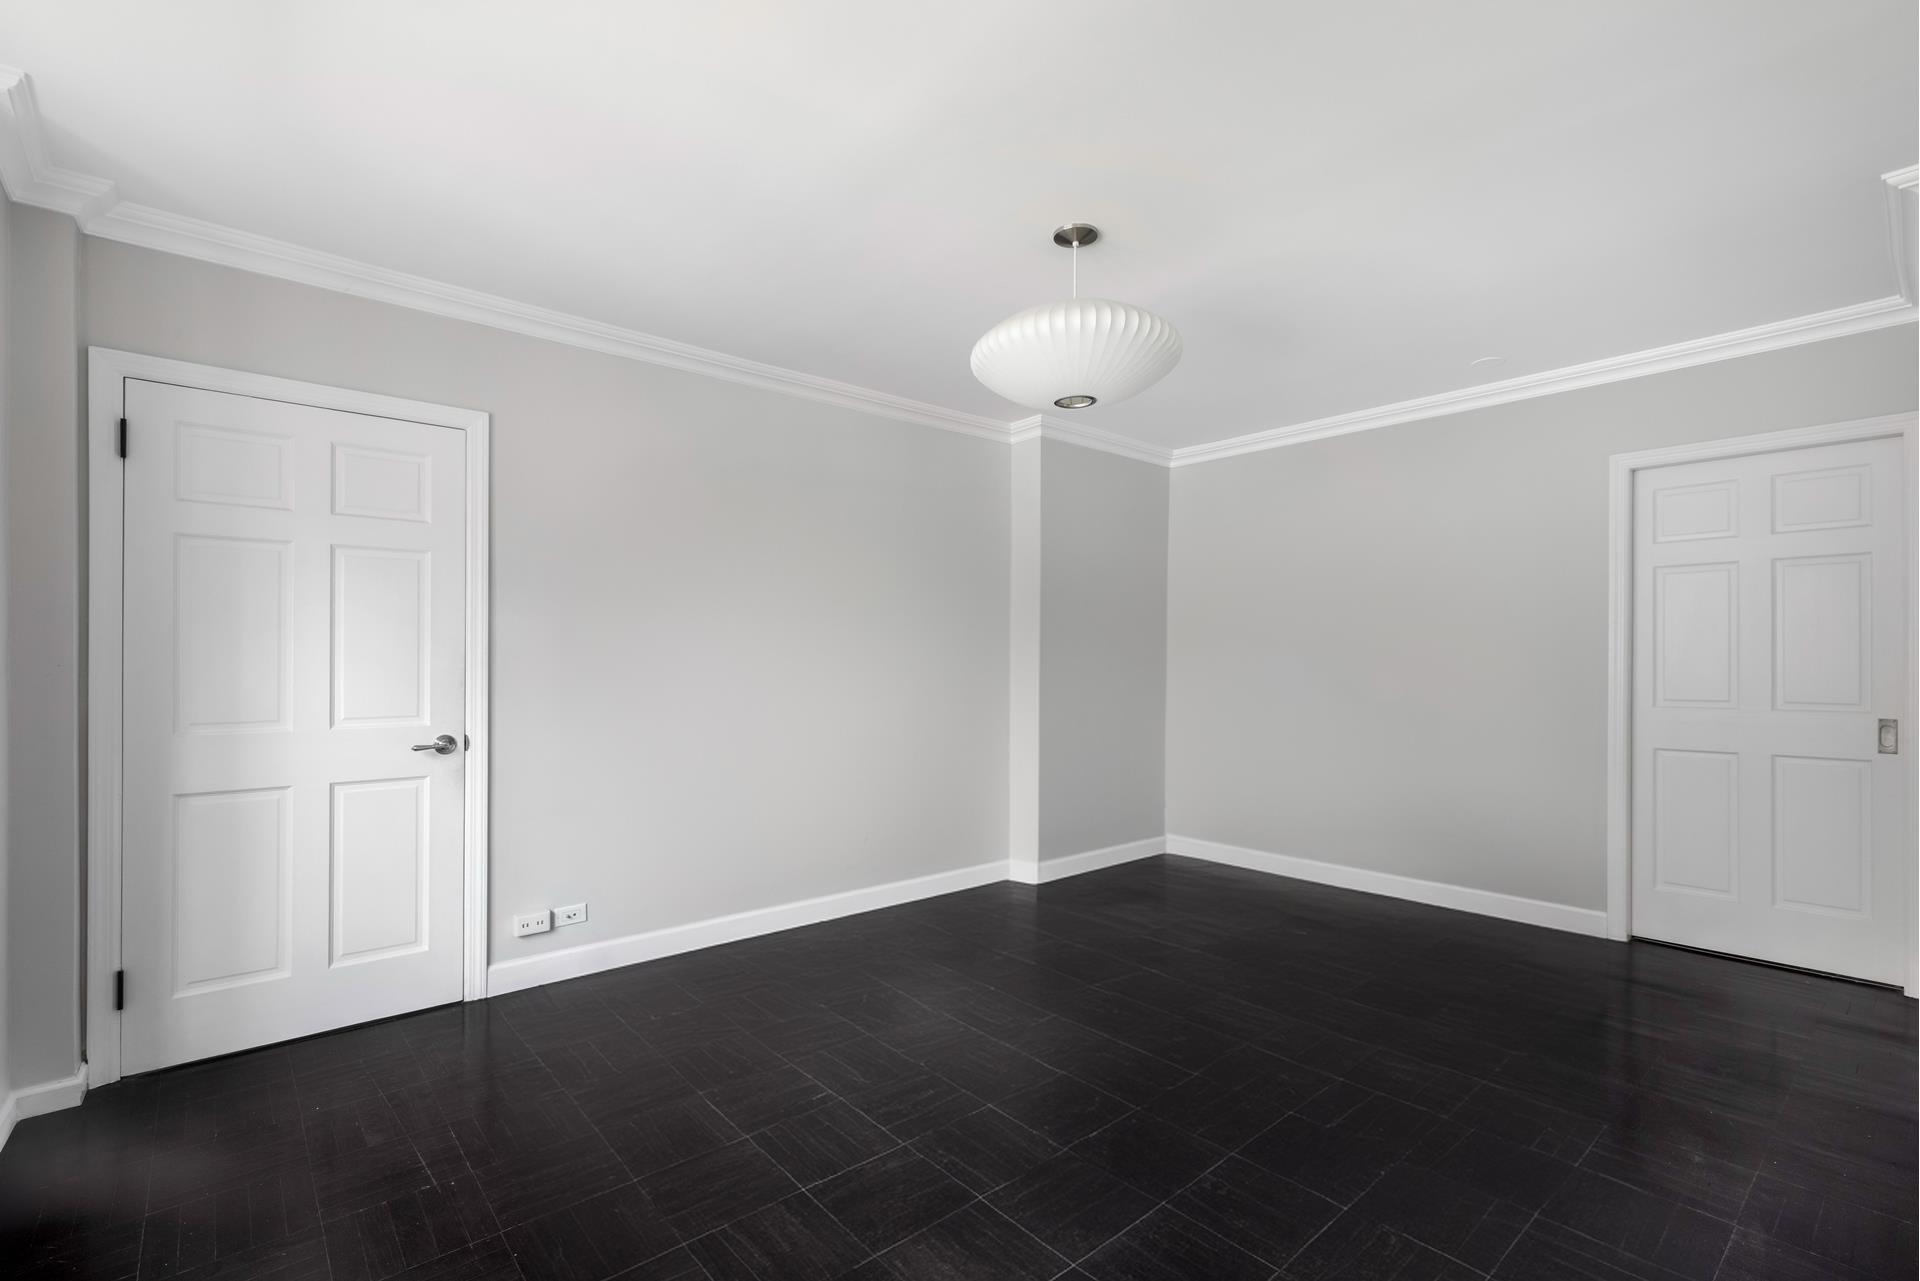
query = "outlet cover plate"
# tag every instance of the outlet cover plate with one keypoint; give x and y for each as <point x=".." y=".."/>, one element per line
<point x="569" y="915"/>
<point x="532" y="923"/>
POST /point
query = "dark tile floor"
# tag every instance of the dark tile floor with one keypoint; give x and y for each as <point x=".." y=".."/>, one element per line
<point x="1168" y="1070"/>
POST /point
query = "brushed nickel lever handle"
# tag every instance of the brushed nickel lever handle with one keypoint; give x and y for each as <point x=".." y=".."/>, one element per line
<point x="443" y="745"/>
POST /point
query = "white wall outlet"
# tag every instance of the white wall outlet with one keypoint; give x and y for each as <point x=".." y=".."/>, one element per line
<point x="532" y="923"/>
<point x="570" y="915"/>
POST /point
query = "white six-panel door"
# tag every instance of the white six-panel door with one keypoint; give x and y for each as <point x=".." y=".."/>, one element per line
<point x="1769" y="639"/>
<point x="294" y="625"/>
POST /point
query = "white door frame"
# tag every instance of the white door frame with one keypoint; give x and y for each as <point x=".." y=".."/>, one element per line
<point x="106" y="371"/>
<point x="1620" y="642"/>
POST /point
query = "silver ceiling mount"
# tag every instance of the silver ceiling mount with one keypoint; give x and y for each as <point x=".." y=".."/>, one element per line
<point x="1076" y="235"/>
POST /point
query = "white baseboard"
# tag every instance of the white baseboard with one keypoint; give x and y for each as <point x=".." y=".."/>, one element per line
<point x="36" y="1100"/>
<point x="1053" y="869"/>
<point x="631" y="949"/>
<point x="1508" y="907"/>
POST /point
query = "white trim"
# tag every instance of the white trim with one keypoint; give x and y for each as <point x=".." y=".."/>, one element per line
<point x="631" y="949"/>
<point x="1621" y="468"/>
<point x="1056" y="869"/>
<point x="210" y="242"/>
<point x="1460" y="898"/>
<point x="1089" y="437"/>
<point x="1858" y="318"/>
<point x="1900" y="228"/>
<point x="27" y="173"/>
<point x="38" y="1100"/>
<point x="30" y="176"/>
<point x="107" y="371"/>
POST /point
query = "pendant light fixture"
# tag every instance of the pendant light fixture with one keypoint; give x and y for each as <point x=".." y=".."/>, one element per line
<point x="1078" y="353"/>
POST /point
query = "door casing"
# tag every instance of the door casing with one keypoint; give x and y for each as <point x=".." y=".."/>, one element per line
<point x="1620" y="569"/>
<point x="107" y="371"/>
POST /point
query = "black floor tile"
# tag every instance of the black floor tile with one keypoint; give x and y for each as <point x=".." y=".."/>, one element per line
<point x="912" y="1105"/>
<point x="1229" y="1109"/>
<point x="1236" y="1074"/>
<point x="1695" y="1179"/>
<point x="667" y="1134"/>
<point x="1256" y="1209"/>
<point x="1445" y="1214"/>
<point x="599" y="1237"/>
<point x="985" y="1148"/>
<point x="1070" y="1205"/>
<point x="1483" y="1160"/>
<point x="1341" y="1160"/>
<point x="755" y="1102"/>
<point x="888" y="1199"/>
<point x="710" y="1191"/>
<point x="1148" y="1153"/>
<point x="1436" y="1089"/>
<point x="301" y="1258"/>
<point x="1547" y="1251"/>
<point x="1356" y="1247"/>
<point x="972" y="1244"/>
<point x="1684" y="1242"/>
<point x="1091" y="1056"/>
<point x="675" y="1265"/>
<point x="483" y="1261"/>
<point x="1825" y="1224"/>
<point x="1168" y="1246"/>
<point x="793" y="1239"/>
<point x="1064" y="1110"/>
<point x="819" y="1144"/>
<point x="1754" y="1256"/>
<point x="713" y="1062"/>
<point x="385" y="1240"/>
<point x="356" y="1178"/>
<point x="535" y="1181"/>
<point x="1528" y="1122"/>
<point x="984" y="1067"/>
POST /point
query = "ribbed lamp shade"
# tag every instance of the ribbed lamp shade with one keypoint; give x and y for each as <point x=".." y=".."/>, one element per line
<point x="1084" y="347"/>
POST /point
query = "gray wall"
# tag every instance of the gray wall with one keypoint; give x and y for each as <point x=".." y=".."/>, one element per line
<point x="1103" y="650"/>
<point x="43" y="537"/>
<point x="1388" y="650"/>
<point x="6" y="432"/>
<point x="746" y="649"/>
<point x="1023" y="658"/>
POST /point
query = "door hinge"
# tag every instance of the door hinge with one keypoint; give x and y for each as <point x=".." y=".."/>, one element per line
<point x="119" y="989"/>
<point x="120" y="441"/>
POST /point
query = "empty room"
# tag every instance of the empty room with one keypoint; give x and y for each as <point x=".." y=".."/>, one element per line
<point x="883" y="641"/>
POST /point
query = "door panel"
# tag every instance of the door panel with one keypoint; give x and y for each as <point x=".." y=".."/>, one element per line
<point x="295" y="623"/>
<point x="1769" y="637"/>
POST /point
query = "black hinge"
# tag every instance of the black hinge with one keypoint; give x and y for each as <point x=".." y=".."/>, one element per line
<point x="121" y="442"/>
<point x="120" y="976"/>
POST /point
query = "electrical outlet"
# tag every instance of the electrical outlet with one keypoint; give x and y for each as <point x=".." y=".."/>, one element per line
<point x="570" y="915"/>
<point x="532" y="923"/>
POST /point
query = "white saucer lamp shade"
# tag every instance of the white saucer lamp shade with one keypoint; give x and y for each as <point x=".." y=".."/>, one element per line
<point x="1069" y="355"/>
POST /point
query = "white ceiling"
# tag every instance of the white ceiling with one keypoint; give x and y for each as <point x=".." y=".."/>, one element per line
<point x="1339" y="204"/>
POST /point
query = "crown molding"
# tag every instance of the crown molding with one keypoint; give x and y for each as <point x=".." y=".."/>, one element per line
<point x="171" y="233"/>
<point x="1900" y="184"/>
<point x="1859" y="318"/>
<point x="30" y="177"/>
<point x="1051" y="428"/>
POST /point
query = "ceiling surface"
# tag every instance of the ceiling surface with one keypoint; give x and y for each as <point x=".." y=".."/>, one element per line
<point x="1341" y="205"/>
